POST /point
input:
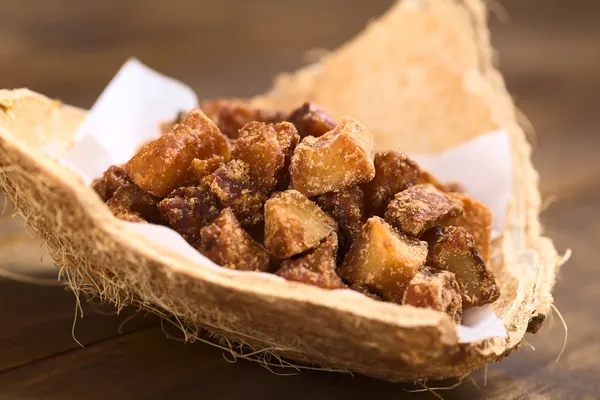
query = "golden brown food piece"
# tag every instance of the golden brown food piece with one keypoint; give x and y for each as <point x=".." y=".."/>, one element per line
<point x="317" y="267"/>
<point x="203" y="168"/>
<point x="112" y="179"/>
<point x="163" y="165"/>
<point x="231" y="115"/>
<point x="294" y="224"/>
<point x="311" y="120"/>
<point x="435" y="289"/>
<point x="394" y="172"/>
<point x="420" y="208"/>
<point x="226" y="243"/>
<point x="453" y="249"/>
<point x="339" y="159"/>
<point x="234" y="188"/>
<point x="267" y="149"/>
<point x="347" y="208"/>
<point x="477" y="220"/>
<point x="130" y="203"/>
<point x="383" y="260"/>
<point x="188" y="209"/>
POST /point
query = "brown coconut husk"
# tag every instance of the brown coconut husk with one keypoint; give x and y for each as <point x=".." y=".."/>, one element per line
<point x="422" y="78"/>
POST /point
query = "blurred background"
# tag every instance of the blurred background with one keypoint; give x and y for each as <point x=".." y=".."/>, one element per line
<point x="548" y="51"/>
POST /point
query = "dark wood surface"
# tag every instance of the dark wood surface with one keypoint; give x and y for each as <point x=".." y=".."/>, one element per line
<point x="550" y="55"/>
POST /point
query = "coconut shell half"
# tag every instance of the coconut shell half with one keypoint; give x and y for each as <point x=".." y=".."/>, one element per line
<point x="422" y="78"/>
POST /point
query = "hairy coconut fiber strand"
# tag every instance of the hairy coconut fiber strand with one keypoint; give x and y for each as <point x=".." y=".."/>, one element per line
<point x="422" y="77"/>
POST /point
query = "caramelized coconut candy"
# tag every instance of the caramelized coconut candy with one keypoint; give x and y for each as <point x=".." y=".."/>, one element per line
<point x="112" y="179"/>
<point x="311" y="120"/>
<point x="226" y="243"/>
<point x="420" y="208"/>
<point x="234" y="188"/>
<point x="163" y="165"/>
<point x="435" y="289"/>
<point x="294" y="224"/>
<point x="347" y="208"/>
<point x="337" y="160"/>
<point x="267" y="149"/>
<point x="203" y="168"/>
<point x="130" y="203"/>
<point x="188" y="209"/>
<point x="452" y="249"/>
<point x="477" y="220"/>
<point x="382" y="260"/>
<point x="394" y="172"/>
<point x="231" y="115"/>
<point x="317" y="267"/>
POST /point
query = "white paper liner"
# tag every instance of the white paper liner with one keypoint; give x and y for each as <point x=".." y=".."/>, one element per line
<point x="138" y="100"/>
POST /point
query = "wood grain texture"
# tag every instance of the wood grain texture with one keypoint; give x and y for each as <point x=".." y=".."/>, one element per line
<point x="549" y="53"/>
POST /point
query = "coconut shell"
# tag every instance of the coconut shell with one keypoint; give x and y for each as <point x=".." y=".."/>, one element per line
<point x="421" y="77"/>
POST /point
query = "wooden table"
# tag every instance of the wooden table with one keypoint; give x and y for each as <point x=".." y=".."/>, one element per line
<point x="550" y="55"/>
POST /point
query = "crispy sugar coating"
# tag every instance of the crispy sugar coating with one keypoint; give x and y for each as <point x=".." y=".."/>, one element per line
<point x="294" y="224"/>
<point x="130" y="203"/>
<point x="311" y="120"/>
<point x="453" y="249"/>
<point x="477" y="220"/>
<point x="227" y="244"/>
<point x="316" y="267"/>
<point x="394" y="172"/>
<point x="188" y="209"/>
<point x="420" y="208"/>
<point x="231" y="115"/>
<point x="235" y="189"/>
<point x="383" y="260"/>
<point x="163" y="165"/>
<point x="201" y="168"/>
<point x="435" y="289"/>
<point x="347" y="208"/>
<point x="267" y="149"/>
<point x="112" y="179"/>
<point x="339" y="159"/>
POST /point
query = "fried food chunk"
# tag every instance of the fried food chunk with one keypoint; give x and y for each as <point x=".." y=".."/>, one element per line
<point x="394" y="172"/>
<point x="226" y="243"/>
<point x="294" y="224"/>
<point x="347" y="208"/>
<point x="435" y="289"/>
<point x="311" y="120"/>
<point x="267" y="149"/>
<point x="316" y="267"/>
<point x="339" y="159"/>
<point x="383" y="260"/>
<point x="453" y="249"/>
<point x="203" y="168"/>
<point x="188" y="209"/>
<point x="163" y="165"/>
<point x="130" y="203"/>
<point x="477" y="220"/>
<point x="231" y="115"/>
<point x="234" y="188"/>
<point x="112" y="179"/>
<point x="420" y="208"/>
